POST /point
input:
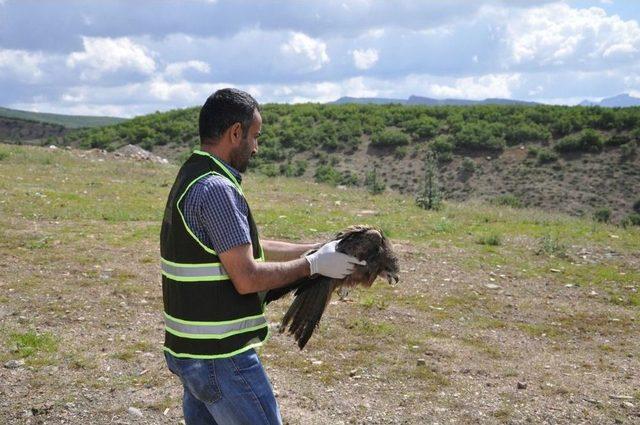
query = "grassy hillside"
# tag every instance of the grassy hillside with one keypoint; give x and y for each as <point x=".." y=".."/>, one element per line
<point x="484" y="290"/>
<point x="68" y="121"/>
<point x="578" y="160"/>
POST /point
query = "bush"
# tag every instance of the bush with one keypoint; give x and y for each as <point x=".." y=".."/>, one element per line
<point x="602" y="215"/>
<point x="492" y="239"/>
<point x="269" y="170"/>
<point x="373" y="183"/>
<point x="507" y="201"/>
<point x="588" y="140"/>
<point x="480" y="136"/>
<point x="628" y="149"/>
<point x="632" y="219"/>
<point x="617" y="140"/>
<point x="545" y="155"/>
<point x="400" y="152"/>
<point x="526" y="132"/>
<point x="442" y="144"/>
<point x="390" y="138"/>
<point x="468" y="165"/>
<point x="327" y="174"/>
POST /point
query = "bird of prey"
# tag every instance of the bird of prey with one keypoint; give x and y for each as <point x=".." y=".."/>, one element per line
<point x="312" y="294"/>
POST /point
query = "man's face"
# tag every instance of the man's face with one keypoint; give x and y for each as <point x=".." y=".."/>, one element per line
<point x="248" y="145"/>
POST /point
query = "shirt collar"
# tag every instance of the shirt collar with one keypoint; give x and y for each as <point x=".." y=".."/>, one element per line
<point x="236" y="174"/>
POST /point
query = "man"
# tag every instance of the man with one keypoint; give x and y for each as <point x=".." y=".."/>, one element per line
<point x="215" y="271"/>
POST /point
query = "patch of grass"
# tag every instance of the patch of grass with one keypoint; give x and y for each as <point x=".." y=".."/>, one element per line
<point x="132" y="350"/>
<point x="365" y="327"/>
<point x="493" y="239"/>
<point x="37" y="348"/>
<point x="371" y="301"/>
<point x="482" y="345"/>
<point x="551" y="246"/>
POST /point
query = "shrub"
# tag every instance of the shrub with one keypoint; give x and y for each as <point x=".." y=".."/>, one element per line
<point x="545" y="155"/>
<point x="632" y="219"/>
<point x="400" y="152"/>
<point x="390" y="138"/>
<point x="468" y="165"/>
<point x="373" y="183"/>
<point x="526" y="132"/>
<point x="269" y="170"/>
<point x="442" y="144"/>
<point x="327" y="174"/>
<point x="480" y="136"/>
<point x="628" y="149"/>
<point x="492" y="239"/>
<point x="588" y="140"/>
<point x="429" y="197"/>
<point x="602" y="215"/>
<point x="551" y="245"/>
<point x="507" y="201"/>
<point x="424" y="127"/>
<point x="617" y="140"/>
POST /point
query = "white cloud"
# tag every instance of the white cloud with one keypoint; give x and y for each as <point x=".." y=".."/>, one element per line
<point x="177" y="69"/>
<point x="486" y="86"/>
<point x="107" y="55"/>
<point x="314" y="51"/>
<point x="365" y="59"/>
<point x="557" y="34"/>
<point x="21" y="65"/>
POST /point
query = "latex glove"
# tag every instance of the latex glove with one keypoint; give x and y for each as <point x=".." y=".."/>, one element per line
<point x="327" y="262"/>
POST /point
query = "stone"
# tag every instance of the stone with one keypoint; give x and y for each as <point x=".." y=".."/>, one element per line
<point x="14" y="364"/>
<point x="522" y="385"/>
<point x="134" y="411"/>
<point x="421" y="362"/>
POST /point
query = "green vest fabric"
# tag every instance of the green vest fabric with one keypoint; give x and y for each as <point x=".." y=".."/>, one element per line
<point x="205" y="317"/>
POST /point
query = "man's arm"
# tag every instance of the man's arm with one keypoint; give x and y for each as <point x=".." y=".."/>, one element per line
<point x="249" y="276"/>
<point x="285" y="251"/>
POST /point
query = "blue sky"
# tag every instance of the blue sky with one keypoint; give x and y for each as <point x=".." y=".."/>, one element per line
<point x="128" y="58"/>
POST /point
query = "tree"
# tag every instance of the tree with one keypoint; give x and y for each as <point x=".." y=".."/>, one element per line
<point x="429" y="197"/>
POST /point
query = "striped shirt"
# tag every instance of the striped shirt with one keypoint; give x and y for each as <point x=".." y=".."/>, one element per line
<point x="217" y="213"/>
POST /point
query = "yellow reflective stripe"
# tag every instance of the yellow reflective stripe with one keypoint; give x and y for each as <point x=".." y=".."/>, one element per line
<point x="196" y="278"/>
<point x="214" y="336"/>
<point x="225" y="169"/>
<point x="172" y="263"/>
<point x="217" y="356"/>
<point x="186" y="226"/>
<point x="221" y="322"/>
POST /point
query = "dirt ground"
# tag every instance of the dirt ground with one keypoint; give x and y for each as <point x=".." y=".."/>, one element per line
<point x="443" y="346"/>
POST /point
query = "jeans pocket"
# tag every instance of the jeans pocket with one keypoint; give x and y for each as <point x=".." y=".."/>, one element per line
<point x="199" y="377"/>
<point x="245" y="362"/>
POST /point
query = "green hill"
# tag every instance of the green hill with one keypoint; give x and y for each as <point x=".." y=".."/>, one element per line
<point x="68" y="121"/>
<point x="572" y="159"/>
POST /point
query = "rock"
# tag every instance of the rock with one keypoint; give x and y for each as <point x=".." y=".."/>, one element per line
<point x="492" y="286"/>
<point x="522" y="385"/>
<point x="421" y="362"/>
<point x="14" y="364"/>
<point x="353" y="372"/>
<point x="627" y="405"/>
<point x="134" y="411"/>
<point x="620" y="397"/>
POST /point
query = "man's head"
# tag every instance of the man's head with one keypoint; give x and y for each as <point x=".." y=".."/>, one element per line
<point x="230" y="120"/>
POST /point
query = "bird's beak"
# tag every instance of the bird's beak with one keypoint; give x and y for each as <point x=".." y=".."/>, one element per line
<point x="392" y="278"/>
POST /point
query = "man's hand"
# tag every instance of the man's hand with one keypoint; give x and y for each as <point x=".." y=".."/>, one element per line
<point x="327" y="262"/>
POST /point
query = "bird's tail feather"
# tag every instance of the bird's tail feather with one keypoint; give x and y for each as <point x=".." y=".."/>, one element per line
<point x="306" y="310"/>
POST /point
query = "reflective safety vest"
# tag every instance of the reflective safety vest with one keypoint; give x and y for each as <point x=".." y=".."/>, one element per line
<point x="205" y="317"/>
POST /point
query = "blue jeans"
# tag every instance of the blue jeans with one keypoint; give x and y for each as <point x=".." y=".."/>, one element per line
<point x="233" y="390"/>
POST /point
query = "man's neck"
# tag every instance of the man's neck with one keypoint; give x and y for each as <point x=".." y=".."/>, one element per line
<point x="216" y="151"/>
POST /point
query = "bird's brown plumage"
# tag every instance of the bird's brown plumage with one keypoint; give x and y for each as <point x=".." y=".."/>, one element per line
<point x="313" y="294"/>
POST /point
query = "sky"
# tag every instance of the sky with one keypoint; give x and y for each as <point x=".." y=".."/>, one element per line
<point x="127" y="58"/>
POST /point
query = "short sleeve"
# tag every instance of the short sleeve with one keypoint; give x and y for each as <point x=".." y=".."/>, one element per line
<point x="222" y="213"/>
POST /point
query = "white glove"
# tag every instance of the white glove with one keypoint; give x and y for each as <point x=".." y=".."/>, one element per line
<point x="327" y="262"/>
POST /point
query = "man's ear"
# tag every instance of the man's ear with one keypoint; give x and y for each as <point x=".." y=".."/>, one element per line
<point x="236" y="132"/>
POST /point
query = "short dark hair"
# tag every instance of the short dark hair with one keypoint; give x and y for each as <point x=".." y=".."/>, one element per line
<point x="224" y="108"/>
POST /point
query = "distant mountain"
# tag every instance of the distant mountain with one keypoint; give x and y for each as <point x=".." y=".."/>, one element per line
<point x="68" y="121"/>
<point x="419" y="100"/>
<point x="620" y="101"/>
